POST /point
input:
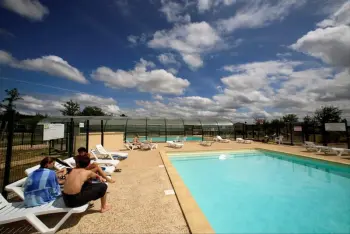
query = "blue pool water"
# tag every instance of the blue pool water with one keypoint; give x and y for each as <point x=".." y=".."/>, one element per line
<point x="169" y="138"/>
<point x="264" y="192"/>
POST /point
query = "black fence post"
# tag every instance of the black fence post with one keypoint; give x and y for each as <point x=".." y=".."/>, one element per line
<point x="347" y="133"/>
<point x="314" y="125"/>
<point x="102" y="133"/>
<point x="291" y="133"/>
<point x="71" y="138"/>
<point x="146" y="130"/>
<point x="10" y="131"/>
<point x="87" y="130"/>
<point x="302" y="133"/>
<point x="253" y="130"/>
<point x="245" y="133"/>
<point x="234" y="132"/>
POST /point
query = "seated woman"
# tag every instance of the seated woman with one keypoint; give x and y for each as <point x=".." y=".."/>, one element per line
<point x="42" y="185"/>
<point x="94" y="167"/>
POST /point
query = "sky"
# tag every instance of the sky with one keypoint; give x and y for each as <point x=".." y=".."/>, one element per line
<point x="237" y="59"/>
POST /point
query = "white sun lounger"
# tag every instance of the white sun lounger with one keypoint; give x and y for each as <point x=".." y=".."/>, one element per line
<point x="247" y="141"/>
<point x="279" y="140"/>
<point x="334" y="150"/>
<point x="173" y="144"/>
<point x="113" y="162"/>
<point x="112" y="155"/>
<point x="130" y="146"/>
<point x="17" y="188"/>
<point x="239" y="140"/>
<point x="13" y="212"/>
<point x="107" y="167"/>
<point x="57" y="165"/>
<point x="207" y="143"/>
<point x="220" y="139"/>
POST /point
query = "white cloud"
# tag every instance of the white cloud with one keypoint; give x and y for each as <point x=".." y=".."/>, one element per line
<point x="158" y="97"/>
<point x="257" y="14"/>
<point x="136" y="40"/>
<point x="329" y="44"/>
<point x="190" y="40"/>
<point x="53" y="104"/>
<point x="252" y="76"/>
<point x="173" y="12"/>
<point x="30" y="9"/>
<point x="172" y="71"/>
<point x="142" y="78"/>
<point x="132" y="39"/>
<point x="340" y="17"/>
<point x="205" y="5"/>
<point x="193" y="60"/>
<point x="167" y="58"/>
<point x="51" y="64"/>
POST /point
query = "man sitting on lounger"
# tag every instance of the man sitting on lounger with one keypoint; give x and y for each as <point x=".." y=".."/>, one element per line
<point x="79" y="189"/>
<point x="94" y="166"/>
<point x="42" y="185"/>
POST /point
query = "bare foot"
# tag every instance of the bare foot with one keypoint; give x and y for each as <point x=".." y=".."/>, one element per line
<point x="106" y="208"/>
<point x="110" y="180"/>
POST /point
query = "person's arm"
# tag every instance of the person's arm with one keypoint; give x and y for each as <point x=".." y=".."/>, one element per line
<point x="93" y="175"/>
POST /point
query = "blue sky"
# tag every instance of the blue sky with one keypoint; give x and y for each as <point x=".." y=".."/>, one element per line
<point x="231" y="58"/>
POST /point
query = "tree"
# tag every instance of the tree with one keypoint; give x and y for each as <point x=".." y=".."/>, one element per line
<point x="291" y="118"/>
<point x="328" y="114"/>
<point x="308" y="120"/>
<point x="8" y="102"/>
<point x="71" y="108"/>
<point x="123" y="115"/>
<point x="92" y="111"/>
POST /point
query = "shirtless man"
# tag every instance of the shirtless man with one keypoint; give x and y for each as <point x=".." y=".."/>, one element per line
<point x="94" y="166"/>
<point x="78" y="189"/>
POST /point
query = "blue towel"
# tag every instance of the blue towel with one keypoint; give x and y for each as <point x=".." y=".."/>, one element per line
<point x="41" y="187"/>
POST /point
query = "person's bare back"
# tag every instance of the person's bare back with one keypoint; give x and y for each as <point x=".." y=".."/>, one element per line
<point x="77" y="177"/>
<point x="78" y="190"/>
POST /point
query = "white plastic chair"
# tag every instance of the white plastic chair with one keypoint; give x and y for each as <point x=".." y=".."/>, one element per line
<point x="13" y="212"/>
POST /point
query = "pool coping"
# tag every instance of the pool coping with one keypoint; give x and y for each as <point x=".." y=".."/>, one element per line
<point x="195" y="218"/>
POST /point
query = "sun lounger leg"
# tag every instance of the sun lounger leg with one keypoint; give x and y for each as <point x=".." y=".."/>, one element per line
<point x="42" y="228"/>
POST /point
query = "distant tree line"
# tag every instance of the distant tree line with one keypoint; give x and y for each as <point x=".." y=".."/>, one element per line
<point x="72" y="108"/>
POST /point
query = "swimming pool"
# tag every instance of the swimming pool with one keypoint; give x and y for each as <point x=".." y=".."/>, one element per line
<point x="169" y="138"/>
<point x="267" y="192"/>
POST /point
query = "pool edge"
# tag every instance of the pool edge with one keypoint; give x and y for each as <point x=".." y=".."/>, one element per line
<point x="195" y="218"/>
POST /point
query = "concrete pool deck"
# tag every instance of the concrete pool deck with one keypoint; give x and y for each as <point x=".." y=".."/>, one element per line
<point x="138" y="202"/>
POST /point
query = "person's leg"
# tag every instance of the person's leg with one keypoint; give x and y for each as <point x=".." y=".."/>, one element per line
<point x="97" y="169"/>
<point x="92" y="192"/>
